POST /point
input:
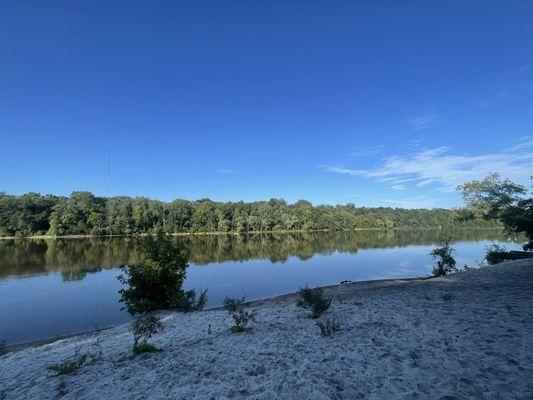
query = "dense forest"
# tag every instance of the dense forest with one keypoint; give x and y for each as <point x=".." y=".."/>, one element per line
<point x="82" y="213"/>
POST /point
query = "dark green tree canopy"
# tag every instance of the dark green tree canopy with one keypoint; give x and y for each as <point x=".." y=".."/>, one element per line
<point x="82" y="213"/>
<point x="499" y="199"/>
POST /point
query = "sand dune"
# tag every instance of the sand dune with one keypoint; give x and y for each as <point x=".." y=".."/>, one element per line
<point x="469" y="335"/>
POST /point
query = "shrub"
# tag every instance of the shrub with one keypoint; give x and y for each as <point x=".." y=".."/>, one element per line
<point x="313" y="299"/>
<point x="70" y="364"/>
<point x="146" y="348"/>
<point x="188" y="301"/>
<point x="446" y="262"/>
<point x="156" y="283"/>
<point x="143" y="327"/>
<point x="328" y="327"/>
<point x="495" y="254"/>
<point x="241" y="316"/>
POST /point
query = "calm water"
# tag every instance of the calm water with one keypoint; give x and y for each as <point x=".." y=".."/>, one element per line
<point x="56" y="287"/>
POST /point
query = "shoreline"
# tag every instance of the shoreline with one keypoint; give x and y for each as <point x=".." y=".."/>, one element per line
<point x="179" y="234"/>
<point x="466" y="335"/>
<point x="251" y="303"/>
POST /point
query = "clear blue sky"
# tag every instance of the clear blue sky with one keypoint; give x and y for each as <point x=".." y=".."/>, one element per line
<point x="387" y="103"/>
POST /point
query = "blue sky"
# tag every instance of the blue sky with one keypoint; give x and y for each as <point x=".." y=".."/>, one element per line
<point x="376" y="103"/>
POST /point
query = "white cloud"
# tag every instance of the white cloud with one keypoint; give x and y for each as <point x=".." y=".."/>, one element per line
<point x="523" y="144"/>
<point x="398" y="187"/>
<point x="367" y="152"/>
<point x="444" y="170"/>
<point x="411" y="202"/>
<point x="424" y="121"/>
<point x="341" y="170"/>
<point x="225" y="171"/>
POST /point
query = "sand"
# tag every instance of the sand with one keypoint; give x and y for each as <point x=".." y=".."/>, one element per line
<point x="468" y="335"/>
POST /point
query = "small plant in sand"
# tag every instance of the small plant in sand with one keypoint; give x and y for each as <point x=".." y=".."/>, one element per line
<point x="328" y="327"/>
<point x="447" y="297"/>
<point x="445" y="261"/>
<point x="143" y="327"/>
<point x="241" y="315"/>
<point x="70" y="364"/>
<point x="77" y="360"/>
<point x="495" y="254"/>
<point x="313" y="299"/>
<point x="189" y="301"/>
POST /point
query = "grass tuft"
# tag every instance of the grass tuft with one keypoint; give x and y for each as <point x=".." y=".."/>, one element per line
<point x="146" y="348"/>
<point x="70" y="364"/>
<point x="328" y="327"/>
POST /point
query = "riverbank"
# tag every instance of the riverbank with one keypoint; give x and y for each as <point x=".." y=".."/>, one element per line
<point x="466" y="335"/>
<point x="178" y="234"/>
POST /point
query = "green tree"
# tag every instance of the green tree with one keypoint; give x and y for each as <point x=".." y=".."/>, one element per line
<point x="157" y="282"/>
<point x="499" y="199"/>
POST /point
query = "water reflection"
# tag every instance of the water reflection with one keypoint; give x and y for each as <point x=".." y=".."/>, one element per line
<point x="50" y="288"/>
<point x="74" y="258"/>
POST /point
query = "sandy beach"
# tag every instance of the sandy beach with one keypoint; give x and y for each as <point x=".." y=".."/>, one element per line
<point x="467" y="335"/>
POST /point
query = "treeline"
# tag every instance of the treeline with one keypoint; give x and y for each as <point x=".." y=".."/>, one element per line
<point x="82" y="213"/>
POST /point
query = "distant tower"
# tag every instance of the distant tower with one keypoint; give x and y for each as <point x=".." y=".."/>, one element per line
<point x="108" y="178"/>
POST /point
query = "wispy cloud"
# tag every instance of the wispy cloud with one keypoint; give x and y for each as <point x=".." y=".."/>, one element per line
<point x="369" y="151"/>
<point x="523" y="68"/>
<point x="342" y="170"/>
<point x="411" y="202"/>
<point x="523" y="144"/>
<point x="224" y="171"/>
<point x="424" y="121"/>
<point x="444" y="170"/>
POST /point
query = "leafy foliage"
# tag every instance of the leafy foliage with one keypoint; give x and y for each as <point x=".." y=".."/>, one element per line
<point x="503" y="200"/>
<point x="82" y="213"/>
<point x="495" y="254"/>
<point x="157" y="282"/>
<point x="241" y="316"/>
<point x="188" y="301"/>
<point x="146" y="348"/>
<point x="313" y="299"/>
<point x="445" y="263"/>
<point x="143" y="327"/>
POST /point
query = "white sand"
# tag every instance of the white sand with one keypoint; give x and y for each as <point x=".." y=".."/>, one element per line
<point x="478" y="345"/>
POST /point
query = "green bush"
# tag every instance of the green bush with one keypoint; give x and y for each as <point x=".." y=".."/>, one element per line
<point x="238" y="311"/>
<point x="313" y="299"/>
<point x="157" y="283"/>
<point x="143" y="327"/>
<point x="495" y="254"/>
<point x="445" y="263"/>
<point x="146" y="348"/>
